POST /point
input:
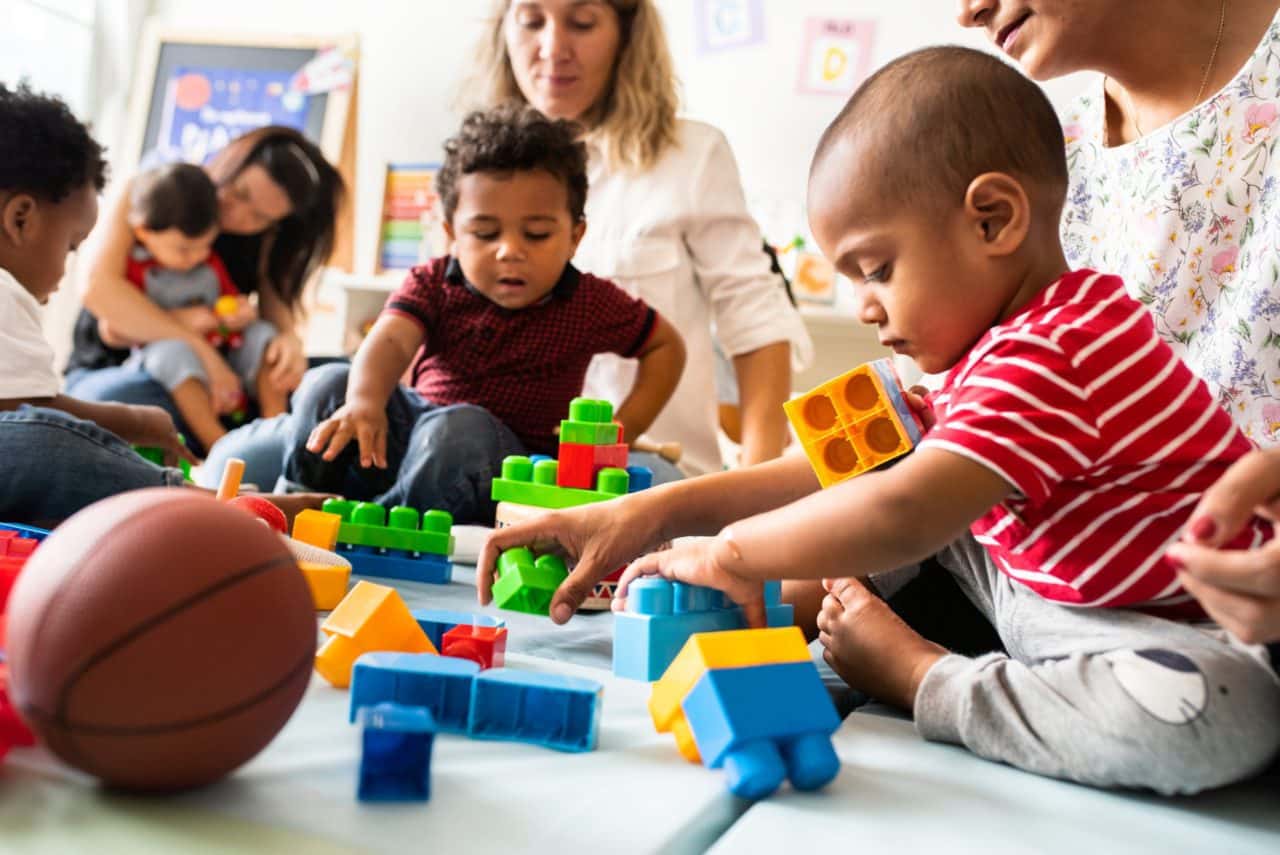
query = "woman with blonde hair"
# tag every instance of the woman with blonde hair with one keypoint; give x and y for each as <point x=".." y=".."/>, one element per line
<point x="667" y="219"/>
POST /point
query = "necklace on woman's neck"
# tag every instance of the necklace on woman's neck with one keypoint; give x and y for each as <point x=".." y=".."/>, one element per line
<point x="1204" y="81"/>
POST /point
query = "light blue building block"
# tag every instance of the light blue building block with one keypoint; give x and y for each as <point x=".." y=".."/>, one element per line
<point x="544" y="709"/>
<point x="436" y="622"/>
<point x="661" y="615"/>
<point x="439" y="684"/>
<point x="394" y="564"/>
<point x="765" y="724"/>
<point x="395" y="760"/>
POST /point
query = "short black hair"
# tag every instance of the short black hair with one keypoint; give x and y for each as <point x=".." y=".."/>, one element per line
<point x="177" y="196"/>
<point x="933" y="120"/>
<point x="44" y="149"/>
<point x="514" y="138"/>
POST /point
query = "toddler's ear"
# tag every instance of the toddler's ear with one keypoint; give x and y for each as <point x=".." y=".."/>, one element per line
<point x="1000" y="211"/>
<point x="579" y="229"/>
<point x="18" y="217"/>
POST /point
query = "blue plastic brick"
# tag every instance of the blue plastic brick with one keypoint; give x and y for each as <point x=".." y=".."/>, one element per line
<point x="765" y="724"/>
<point x="661" y="615"/>
<point x="439" y="684"/>
<point x="641" y="478"/>
<point x="393" y="564"/>
<point x="544" y="709"/>
<point x="395" y="761"/>
<point x="436" y="622"/>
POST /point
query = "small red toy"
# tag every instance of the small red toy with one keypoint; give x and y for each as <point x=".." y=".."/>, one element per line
<point x="484" y="645"/>
<point x="263" y="510"/>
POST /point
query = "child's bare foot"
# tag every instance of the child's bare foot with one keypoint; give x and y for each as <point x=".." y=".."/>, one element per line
<point x="870" y="647"/>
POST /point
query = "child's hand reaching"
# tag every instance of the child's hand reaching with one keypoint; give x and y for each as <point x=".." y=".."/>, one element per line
<point x="364" y="422"/>
<point x="153" y="427"/>
<point x="695" y="562"/>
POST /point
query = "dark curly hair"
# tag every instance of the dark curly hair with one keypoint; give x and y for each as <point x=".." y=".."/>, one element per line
<point x="177" y="196"/>
<point x="44" y="149"/>
<point x="514" y="138"/>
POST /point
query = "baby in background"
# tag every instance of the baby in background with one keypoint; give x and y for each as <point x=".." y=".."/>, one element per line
<point x="174" y="216"/>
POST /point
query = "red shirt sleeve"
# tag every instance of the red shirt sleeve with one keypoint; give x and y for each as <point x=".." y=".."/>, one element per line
<point x="419" y="297"/>
<point x="226" y="288"/>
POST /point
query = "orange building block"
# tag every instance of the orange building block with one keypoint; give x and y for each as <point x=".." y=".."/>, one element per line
<point x="317" y="528"/>
<point x="855" y="422"/>
<point x="370" y="618"/>
<point x="328" y="583"/>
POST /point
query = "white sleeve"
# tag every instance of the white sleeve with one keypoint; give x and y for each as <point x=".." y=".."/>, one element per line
<point x="26" y="358"/>
<point x="748" y="303"/>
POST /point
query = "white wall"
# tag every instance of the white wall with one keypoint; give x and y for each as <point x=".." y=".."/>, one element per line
<point x="415" y="52"/>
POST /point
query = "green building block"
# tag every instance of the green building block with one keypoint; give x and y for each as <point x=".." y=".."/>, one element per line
<point x="526" y="584"/>
<point x="528" y="484"/>
<point x="366" y="524"/>
<point x="590" y="422"/>
<point x="156" y="456"/>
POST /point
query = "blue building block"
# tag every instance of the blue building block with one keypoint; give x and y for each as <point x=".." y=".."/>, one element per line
<point x="439" y="684"/>
<point x="641" y="478"/>
<point x="544" y="709"/>
<point x="395" y="762"/>
<point x="436" y="622"/>
<point x="764" y="724"/>
<point x="661" y="615"/>
<point x="394" y="564"/>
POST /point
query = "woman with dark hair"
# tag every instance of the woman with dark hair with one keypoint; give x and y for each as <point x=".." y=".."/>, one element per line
<point x="278" y="200"/>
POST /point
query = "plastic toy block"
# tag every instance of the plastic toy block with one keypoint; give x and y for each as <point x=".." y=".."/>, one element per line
<point x="527" y="483"/>
<point x="662" y="615"/>
<point x="156" y="456"/>
<point x="14" y="732"/>
<point x="641" y="478"/>
<point x="855" y="422"/>
<point x="317" y="528"/>
<point x="395" y="761"/>
<point x="370" y="618"/>
<point x="407" y="566"/>
<point x="525" y="584"/>
<point x="590" y="422"/>
<point x="439" y="684"/>
<point x="764" y="724"/>
<point x="368" y="524"/>
<point x="436" y="622"/>
<point x="601" y="597"/>
<point x="484" y="645"/>
<point x="544" y="709"/>
<point x="578" y="464"/>
<point x="328" y="583"/>
<point x="710" y="650"/>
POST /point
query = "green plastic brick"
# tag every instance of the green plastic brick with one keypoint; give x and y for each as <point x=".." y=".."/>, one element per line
<point x="526" y="584"/>
<point x="590" y="410"/>
<point x="524" y="483"/>
<point x="156" y="456"/>
<point x="367" y="524"/>
<point x="588" y="433"/>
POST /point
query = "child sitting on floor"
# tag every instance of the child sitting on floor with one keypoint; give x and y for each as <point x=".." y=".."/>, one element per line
<point x="499" y="335"/>
<point x="1069" y="439"/>
<point x="59" y="454"/>
<point x="174" y="215"/>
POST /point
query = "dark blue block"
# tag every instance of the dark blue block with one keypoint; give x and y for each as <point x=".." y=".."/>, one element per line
<point x="544" y="709"/>
<point x="436" y="622"/>
<point x="439" y="684"/>
<point x="640" y="478"/>
<point x="395" y="564"/>
<point x="765" y="723"/>
<point x="395" y="761"/>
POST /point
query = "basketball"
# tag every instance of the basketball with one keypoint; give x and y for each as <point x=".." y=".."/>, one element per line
<point x="159" y="639"/>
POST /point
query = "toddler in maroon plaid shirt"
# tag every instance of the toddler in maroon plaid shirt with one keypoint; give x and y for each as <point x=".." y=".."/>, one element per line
<point x="499" y="336"/>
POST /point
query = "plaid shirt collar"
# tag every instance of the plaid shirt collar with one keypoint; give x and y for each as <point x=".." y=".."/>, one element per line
<point x="563" y="290"/>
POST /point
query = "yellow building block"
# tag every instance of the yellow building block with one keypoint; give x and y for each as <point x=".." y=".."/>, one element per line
<point x="855" y="422"/>
<point x="370" y="618"/>
<point x="706" y="651"/>
<point x="317" y="528"/>
<point x="328" y="583"/>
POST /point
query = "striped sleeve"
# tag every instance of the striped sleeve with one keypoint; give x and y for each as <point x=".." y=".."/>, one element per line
<point x="1020" y="412"/>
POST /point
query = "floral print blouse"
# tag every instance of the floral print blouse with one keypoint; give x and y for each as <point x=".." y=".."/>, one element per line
<point x="1189" y="216"/>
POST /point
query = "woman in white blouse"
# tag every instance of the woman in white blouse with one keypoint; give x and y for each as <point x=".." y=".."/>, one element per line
<point x="1175" y="185"/>
<point x="666" y="216"/>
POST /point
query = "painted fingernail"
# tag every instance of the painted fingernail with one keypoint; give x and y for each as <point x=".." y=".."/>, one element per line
<point x="1203" y="528"/>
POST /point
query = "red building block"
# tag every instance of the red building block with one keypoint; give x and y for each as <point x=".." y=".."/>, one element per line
<point x="484" y="645"/>
<point x="14" y="733"/>
<point x="14" y="552"/>
<point x="579" y="464"/>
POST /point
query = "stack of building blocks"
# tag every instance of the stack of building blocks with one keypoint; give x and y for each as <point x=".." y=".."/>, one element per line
<point x="436" y="622"/>
<point x="662" y="615"/>
<point x="395" y="758"/>
<point x="526" y="482"/>
<point x="400" y="545"/>
<point x="590" y="440"/>
<point x="370" y="618"/>
<point x="501" y="703"/>
<point x="328" y="582"/>
<point x="750" y="702"/>
<point x="855" y="422"/>
<point x="527" y="584"/>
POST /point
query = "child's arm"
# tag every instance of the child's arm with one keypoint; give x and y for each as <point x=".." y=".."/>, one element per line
<point x="383" y="356"/>
<point x="877" y="521"/>
<point x="661" y="363"/>
<point x="135" y="424"/>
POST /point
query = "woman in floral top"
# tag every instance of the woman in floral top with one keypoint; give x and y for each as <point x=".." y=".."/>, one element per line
<point x="1175" y="186"/>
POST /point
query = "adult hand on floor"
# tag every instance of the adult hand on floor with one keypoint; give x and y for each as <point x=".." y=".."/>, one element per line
<point x="1239" y="588"/>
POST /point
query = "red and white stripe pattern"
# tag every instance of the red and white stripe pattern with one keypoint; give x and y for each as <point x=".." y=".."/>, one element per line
<point x="1106" y="436"/>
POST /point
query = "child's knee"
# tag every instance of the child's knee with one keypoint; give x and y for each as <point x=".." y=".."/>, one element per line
<point x="172" y="362"/>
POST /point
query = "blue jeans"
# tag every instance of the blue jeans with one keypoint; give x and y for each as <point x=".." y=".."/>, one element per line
<point x="437" y="456"/>
<point x="53" y="464"/>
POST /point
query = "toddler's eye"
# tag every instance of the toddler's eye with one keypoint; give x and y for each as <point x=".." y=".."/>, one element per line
<point x="537" y="236"/>
<point x="880" y="274"/>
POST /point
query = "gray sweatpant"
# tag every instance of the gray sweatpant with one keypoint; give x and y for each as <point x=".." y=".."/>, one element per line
<point x="1106" y="697"/>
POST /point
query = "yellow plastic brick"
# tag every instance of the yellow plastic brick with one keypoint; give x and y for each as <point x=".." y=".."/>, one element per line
<point x="328" y="583"/>
<point x="317" y="528"/>
<point x="370" y="618"/>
